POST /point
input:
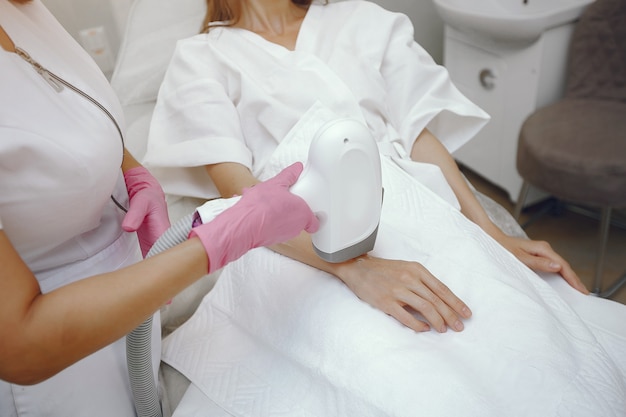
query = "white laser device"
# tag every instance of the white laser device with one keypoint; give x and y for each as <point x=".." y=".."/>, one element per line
<point x="341" y="182"/>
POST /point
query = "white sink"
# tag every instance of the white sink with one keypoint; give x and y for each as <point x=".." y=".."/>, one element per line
<point x="509" y="20"/>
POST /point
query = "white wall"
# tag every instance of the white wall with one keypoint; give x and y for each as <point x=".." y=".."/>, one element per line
<point x="428" y="25"/>
<point x="110" y="15"/>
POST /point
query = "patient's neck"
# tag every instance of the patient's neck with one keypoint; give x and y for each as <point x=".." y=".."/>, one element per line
<point x="277" y="21"/>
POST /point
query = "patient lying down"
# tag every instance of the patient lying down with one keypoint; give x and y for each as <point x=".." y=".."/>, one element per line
<point x="298" y="336"/>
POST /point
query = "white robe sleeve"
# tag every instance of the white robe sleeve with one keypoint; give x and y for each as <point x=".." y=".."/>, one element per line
<point x="194" y="123"/>
<point x="420" y="92"/>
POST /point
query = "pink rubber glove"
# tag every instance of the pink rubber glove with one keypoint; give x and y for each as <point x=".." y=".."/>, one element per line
<point x="147" y="214"/>
<point x="266" y="214"/>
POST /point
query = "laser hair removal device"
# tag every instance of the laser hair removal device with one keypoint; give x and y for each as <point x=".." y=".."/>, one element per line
<point x="341" y="182"/>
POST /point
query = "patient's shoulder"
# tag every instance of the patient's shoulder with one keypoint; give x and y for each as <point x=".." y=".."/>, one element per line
<point x="201" y="43"/>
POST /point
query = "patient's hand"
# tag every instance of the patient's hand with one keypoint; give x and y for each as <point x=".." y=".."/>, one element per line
<point x="540" y="256"/>
<point x="394" y="286"/>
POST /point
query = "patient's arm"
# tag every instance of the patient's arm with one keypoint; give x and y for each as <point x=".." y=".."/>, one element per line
<point x="536" y="255"/>
<point x="231" y="178"/>
<point x="389" y="285"/>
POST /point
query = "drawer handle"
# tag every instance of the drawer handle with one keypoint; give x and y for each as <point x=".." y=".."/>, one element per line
<point x="487" y="79"/>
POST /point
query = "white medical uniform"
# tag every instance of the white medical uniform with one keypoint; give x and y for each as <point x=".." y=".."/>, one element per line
<point x="60" y="160"/>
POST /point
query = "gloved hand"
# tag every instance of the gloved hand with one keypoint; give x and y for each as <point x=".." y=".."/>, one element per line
<point x="266" y="214"/>
<point x="147" y="214"/>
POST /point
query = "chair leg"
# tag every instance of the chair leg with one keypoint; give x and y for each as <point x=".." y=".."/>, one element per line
<point x="605" y="223"/>
<point x="520" y="200"/>
<point x="614" y="287"/>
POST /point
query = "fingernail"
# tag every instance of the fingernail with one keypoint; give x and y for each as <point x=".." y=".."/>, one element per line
<point x="466" y="312"/>
<point x="458" y="326"/>
<point x="554" y="265"/>
<point x="443" y="329"/>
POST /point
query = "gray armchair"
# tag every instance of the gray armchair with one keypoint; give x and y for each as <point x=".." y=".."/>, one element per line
<point x="575" y="149"/>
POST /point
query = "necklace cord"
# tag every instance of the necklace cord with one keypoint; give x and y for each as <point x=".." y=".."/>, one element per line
<point x="57" y="83"/>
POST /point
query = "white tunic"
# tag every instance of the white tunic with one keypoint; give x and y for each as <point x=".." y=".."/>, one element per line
<point x="228" y="95"/>
<point x="60" y="160"/>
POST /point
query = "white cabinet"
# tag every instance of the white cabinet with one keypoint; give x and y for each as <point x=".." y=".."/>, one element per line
<point x="509" y="81"/>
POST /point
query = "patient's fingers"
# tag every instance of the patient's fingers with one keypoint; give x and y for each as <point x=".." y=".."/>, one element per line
<point x="430" y="309"/>
<point x="438" y="304"/>
<point x="399" y="313"/>
<point x="391" y="286"/>
<point x="447" y="296"/>
<point x="538" y="263"/>
<point x="556" y="263"/>
<point x="572" y="278"/>
<point x="540" y="256"/>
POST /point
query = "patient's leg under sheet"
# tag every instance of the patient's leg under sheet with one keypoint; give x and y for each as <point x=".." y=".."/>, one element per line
<point x="605" y="318"/>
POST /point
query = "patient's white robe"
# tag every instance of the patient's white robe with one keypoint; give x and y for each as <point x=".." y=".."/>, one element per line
<point x="278" y="338"/>
<point x="231" y="96"/>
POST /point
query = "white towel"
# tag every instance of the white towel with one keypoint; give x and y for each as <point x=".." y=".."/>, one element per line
<point x="278" y="338"/>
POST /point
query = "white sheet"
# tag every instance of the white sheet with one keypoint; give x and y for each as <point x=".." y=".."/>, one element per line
<point x="278" y="338"/>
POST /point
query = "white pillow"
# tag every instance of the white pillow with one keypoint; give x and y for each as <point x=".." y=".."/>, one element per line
<point x="152" y="29"/>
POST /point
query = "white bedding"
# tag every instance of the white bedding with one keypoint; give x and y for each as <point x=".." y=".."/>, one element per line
<point x="278" y="338"/>
<point x="299" y="343"/>
<point x="605" y="319"/>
